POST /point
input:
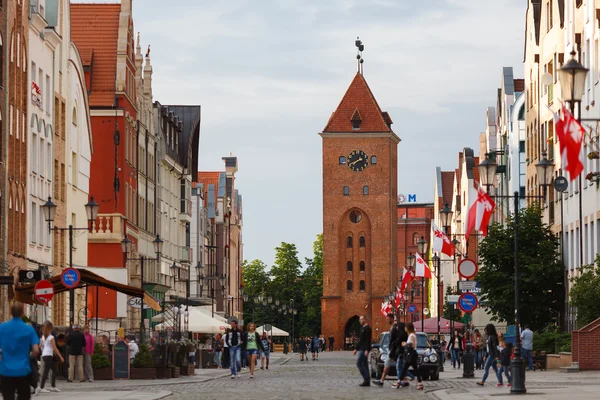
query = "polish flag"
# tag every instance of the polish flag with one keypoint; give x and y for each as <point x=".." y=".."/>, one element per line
<point x="570" y="135"/>
<point x="441" y="243"/>
<point x="386" y="308"/>
<point x="399" y="297"/>
<point x="407" y="276"/>
<point x="422" y="270"/>
<point x="481" y="208"/>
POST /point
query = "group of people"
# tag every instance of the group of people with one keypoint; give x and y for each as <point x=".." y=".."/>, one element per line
<point x="402" y="353"/>
<point x="241" y="349"/>
<point x="22" y="346"/>
<point x="314" y="345"/>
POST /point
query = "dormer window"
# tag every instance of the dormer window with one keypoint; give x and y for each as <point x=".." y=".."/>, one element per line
<point x="356" y="120"/>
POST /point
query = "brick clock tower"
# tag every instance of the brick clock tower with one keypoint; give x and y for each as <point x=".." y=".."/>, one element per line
<point x="360" y="175"/>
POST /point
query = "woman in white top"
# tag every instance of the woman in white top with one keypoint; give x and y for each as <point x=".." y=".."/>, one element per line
<point x="410" y="358"/>
<point x="49" y="349"/>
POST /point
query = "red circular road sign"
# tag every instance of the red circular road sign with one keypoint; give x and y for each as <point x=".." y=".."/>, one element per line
<point x="44" y="291"/>
<point x="467" y="268"/>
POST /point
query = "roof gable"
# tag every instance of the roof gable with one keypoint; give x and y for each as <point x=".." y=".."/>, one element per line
<point x="95" y="31"/>
<point x="358" y="104"/>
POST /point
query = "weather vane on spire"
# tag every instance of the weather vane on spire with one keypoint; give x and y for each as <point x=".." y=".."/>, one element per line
<point x="359" y="60"/>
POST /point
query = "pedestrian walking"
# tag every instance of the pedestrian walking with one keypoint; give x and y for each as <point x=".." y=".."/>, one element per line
<point x="234" y="341"/>
<point x="443" y="347"/>
<point x="410" y="359"/>
<point x="302" y="348"/>
<point x="363" y="348"/>
<point x="315" y="346"/>
<point x="478" y="347"/>
<point x="49" y="353"/>
<point x="331" y="342"/>
<point x="76" y="343"/>
<point x="492" y="356"/>
<point x="527" y="347"/>
<point x="19" y="344"/>
<point x="225" y="356"/>
<point x="265" y="354"/>
<point x="252" y="345"/>
<point x="455" y="347"/>
<point x="504" y="365"/>
<point x="133" y="347"/>
<point x="322" y="342"/>
<point x="218" y="350"/>
<point x="395" y="348"/>
<point x="88" y="371"/>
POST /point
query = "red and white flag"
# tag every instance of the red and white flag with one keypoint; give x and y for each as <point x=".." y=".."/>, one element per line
<point x="481" y="208"/>
<point x="421" y="269"/>
<point x="399" y="297"/>
<point x="407" y="276"/>
<point x="441" y="243"/>
<point x="570" y="136"/>
<point x="386" y="308"/>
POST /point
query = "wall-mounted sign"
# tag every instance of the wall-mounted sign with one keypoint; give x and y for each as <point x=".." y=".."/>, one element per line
<point x="36" y="95"/>
<point x="407" y="198"/>
<point x="135" y="302"/>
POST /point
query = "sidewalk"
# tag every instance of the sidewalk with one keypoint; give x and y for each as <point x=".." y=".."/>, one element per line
<point x="572" y="393"/>
<point x="202" y="375"/>
<point x="121" y="395"/>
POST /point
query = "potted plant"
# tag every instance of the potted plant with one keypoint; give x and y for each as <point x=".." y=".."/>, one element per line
<point x="593" y="155"/>
<point x="593" y="177"/>
<point x="143" y="364"/>
<point x="101" y="364"/>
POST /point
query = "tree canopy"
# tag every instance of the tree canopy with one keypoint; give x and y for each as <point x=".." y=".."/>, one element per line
<point x="540" y="270"/>
<point x="585" y="294"/>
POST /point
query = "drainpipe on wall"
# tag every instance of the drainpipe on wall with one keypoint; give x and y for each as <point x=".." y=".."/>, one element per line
<point x="5" y="162"/>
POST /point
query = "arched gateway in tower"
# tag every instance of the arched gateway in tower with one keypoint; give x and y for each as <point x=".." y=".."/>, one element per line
<point x="360" y="174"/>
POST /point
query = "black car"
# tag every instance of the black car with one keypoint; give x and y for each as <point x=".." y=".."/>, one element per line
<point x="428" y="361"/>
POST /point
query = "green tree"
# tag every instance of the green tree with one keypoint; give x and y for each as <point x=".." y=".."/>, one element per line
<point x="585" y="294"/>
<point x="285" y="273"/>
<point x="255" y="279"/>
<point x="309" y="321"/>
<point x="451" y="313"/>
<point x="540" y="271"/>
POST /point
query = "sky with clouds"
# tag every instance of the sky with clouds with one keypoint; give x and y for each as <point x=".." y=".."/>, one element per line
<point x="268" y="74"/>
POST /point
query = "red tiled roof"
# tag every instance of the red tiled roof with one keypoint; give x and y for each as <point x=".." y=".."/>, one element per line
<point x="519" y="85"/>
<point x="95" y="30"/>
<point x="359" y="98"/>
<point x="447" y="187"/>
<point x="209" y="178"/>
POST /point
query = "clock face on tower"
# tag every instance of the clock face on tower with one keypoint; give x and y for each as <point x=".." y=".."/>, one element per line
<point x="358" y="160"/>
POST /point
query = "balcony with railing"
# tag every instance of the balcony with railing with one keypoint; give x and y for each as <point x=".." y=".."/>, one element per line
<point x="185" y="210"/>
<point x="185" y="254"/>
<point x="108" y="228"/>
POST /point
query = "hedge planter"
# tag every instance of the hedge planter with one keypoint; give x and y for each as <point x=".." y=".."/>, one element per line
<point x="175" y="372"/>
<point x="173" y="348"/>
<point x="103" y="374"/>
<point x="188" y="370"/>
<point x="189" y="348"/>
<point x="142" y="373"/>
<point x="163" y="373"/>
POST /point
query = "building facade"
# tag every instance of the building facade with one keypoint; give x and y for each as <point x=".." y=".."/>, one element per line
<point x="360" y="174"/>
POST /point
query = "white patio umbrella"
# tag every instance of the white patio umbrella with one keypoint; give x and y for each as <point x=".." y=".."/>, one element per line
<point x="275" y="331"/>
<point x="198" y="322"/>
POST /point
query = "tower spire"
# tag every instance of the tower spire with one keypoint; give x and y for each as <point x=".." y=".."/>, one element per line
<point x="359" y="60"/>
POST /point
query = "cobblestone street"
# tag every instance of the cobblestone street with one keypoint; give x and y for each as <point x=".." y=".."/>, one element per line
<point x="334" y="376"/>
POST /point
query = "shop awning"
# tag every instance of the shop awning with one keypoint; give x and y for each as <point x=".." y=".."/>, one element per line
<point x="25" y="293"/>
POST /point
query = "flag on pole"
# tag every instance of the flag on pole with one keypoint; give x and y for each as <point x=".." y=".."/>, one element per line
<point x="441" y="243"/>
<point x="570" y="135"/>
<point x="481" y="208"/>
<point x="386" y="308"/>
<point x="407" y="276"/>
<point x="399" y="297"/>
<point x="422" y="270"/>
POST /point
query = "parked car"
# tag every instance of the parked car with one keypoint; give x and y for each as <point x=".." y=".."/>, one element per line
<point x="428" y="360"/>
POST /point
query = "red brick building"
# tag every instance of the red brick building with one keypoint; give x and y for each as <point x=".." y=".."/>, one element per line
<point x="414" y="223"/>
<point x="104" y="36"/>
<point x="360" y="177"/>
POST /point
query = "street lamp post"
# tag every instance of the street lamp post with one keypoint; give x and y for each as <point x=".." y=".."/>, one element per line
<point x="422" y="247"/>
<point x="126" y="247"/>
<point x="487" y="170"/>
<point x="91" y="209"/>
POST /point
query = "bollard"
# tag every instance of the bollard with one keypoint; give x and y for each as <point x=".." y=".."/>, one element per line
<point x="469" y="362"/>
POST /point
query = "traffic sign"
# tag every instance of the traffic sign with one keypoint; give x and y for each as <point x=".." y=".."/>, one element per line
<point x="268" y="327"/>
<point x="426" y="311"/>
<point x="44" y="291"/>
<point x="467" y="286"/>
<point x="70" y="278"/>
<point x="412" y="309"/>
<point x="561" y="184"/>
<point x="453" y="299"/>
<point x="468" y="302"/>
<point x="467" y="268"/>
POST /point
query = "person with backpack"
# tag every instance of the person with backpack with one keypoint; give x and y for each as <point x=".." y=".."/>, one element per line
<point x="252" y="345"/>
<point x="315" y="346"/>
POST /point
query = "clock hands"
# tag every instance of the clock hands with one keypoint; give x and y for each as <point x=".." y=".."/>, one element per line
<point x="354" y="162"/>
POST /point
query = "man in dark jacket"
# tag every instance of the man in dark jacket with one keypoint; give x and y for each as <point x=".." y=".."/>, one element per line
<point x="76" y="343"/>
<point x="363" y="348"/>
<point x="234" y="341"/>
